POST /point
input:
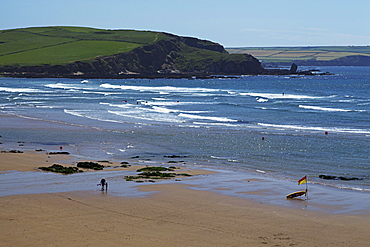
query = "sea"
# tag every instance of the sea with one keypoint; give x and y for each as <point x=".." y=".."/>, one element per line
<point x="283" y="127"/>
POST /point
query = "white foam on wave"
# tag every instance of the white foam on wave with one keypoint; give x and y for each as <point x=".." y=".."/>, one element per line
<point x="218" y="119"/>
<point x="98" y="92"/>
<point x="70" y="87"/>
<point x="61" y="85"/>
<point x="265" y="108"/>
<point x="218" y="158"/>
<point x="45" y="106"/>
<point x="126" y="105"/>
<point x="149" y="117"/>
<point x="74" y="113"/>
<point x="162" y="110"/>
<point x="281" y="96"/>
<point x="81" y="113"/>
<point x="20" y="90"/>
<point x="262" y="100"/>
<point x="215" y="124"/>
<point x="174" y="103"/>
<point x="309" y="128"/>
<point x="159" y="89"/>
<point x="318" y="108"/>
<point x="135" y="109"/>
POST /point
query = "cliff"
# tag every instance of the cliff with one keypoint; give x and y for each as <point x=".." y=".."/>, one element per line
<point x="171" y="56"/>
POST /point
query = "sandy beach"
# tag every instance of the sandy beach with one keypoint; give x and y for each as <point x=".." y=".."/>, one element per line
<point x="172" y="216"/>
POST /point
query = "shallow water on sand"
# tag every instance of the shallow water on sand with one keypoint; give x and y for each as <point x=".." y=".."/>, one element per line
<point x="232" y="183"/>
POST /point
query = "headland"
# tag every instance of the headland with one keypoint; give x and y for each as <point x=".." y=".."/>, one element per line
<point x="78" y="52"/>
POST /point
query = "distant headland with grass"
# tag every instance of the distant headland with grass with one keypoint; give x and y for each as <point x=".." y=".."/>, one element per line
<point x="81" y="52"/>
<point x="309" y="55"/>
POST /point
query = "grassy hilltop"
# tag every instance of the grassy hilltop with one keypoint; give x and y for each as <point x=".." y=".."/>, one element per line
<point x="312" y="53"/>
<point x="63" y="45"/>
<point x="80" y="51"/>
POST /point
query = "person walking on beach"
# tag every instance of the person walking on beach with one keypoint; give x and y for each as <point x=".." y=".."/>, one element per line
<point x="104" y="183"/>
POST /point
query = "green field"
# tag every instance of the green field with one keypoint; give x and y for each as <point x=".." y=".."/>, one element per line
<point x="62" y="45"/>
<point x="288" y="54"/>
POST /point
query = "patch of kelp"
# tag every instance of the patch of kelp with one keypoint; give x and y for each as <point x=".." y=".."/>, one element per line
<point x="154" y="173"/>
<point x="61" y="169"/>
<point x="156" y="169"/>
<point x="70" y="170"/>
<point x="90" y="165"/>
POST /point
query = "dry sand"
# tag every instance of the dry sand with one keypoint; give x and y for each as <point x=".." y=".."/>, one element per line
<point x="174" y="216"/>
<point x="29" y="161"/>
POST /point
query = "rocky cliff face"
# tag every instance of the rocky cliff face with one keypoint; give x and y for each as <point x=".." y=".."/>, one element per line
<point x="164" y="58"/>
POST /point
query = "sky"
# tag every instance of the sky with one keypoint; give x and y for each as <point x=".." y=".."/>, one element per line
<point x="232" y="23"/>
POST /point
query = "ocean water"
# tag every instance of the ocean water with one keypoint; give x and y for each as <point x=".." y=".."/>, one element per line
<point x="277" y="126"/>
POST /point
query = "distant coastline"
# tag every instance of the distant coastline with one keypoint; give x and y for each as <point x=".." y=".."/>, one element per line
<point x="308" y="56"/>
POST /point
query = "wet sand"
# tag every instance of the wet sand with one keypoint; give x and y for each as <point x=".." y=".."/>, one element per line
<point x="171" y="214"/>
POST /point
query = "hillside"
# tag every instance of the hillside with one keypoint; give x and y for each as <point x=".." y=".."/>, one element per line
<point x="89" y="52"/>
<point x="315" y="55"/>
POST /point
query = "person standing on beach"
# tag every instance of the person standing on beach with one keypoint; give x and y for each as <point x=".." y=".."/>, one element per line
<point x="103" y="182"/>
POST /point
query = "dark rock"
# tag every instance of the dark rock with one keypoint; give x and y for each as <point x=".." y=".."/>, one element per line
<point x="348" y="178"/>
<point x="174" y="156"/>
<point x="293" y="68"/>
<point x="330" y="177"/>
<point x="54" y="153"/>
<point x="327" y="177"/>
<point x="13" y="151"/>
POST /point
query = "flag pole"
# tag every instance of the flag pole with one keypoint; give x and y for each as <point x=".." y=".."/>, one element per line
<point x="306" y="188"/>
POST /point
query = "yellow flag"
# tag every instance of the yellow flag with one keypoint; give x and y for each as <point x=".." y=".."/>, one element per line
<point x="302" y="180"/>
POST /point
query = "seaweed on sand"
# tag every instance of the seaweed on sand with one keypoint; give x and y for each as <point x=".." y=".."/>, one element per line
<point x="154" y="173"/>
<point x="60" y="169"/>
<point x="154" y="168"/>
<point x="90" y="165"/>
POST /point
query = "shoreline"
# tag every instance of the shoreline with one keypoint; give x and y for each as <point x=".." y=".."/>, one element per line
<point x="22" y="168"/>
<point x="130" y="148"/>
<point x="248" y="184"/>
<point x="212" y="208"/>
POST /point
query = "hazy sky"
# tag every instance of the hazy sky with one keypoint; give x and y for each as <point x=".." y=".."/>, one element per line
<point x="233" y="23"/>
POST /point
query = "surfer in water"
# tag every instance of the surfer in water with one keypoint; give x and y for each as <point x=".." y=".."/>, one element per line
<point x="104" y="183"/>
